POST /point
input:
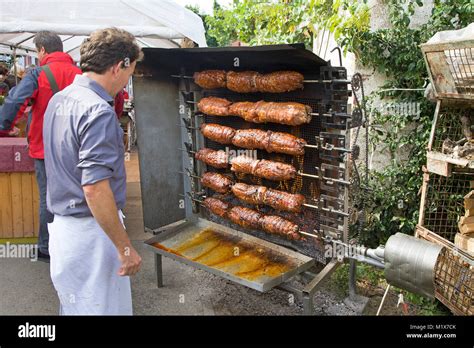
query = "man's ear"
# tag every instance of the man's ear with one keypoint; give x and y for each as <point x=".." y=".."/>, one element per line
<point x="116" y="68"/>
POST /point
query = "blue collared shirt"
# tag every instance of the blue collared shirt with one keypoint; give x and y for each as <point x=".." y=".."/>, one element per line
<point x="83" y="144"/>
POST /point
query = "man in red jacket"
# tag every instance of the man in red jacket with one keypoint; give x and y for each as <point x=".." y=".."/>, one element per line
<point x="56" y="72"/>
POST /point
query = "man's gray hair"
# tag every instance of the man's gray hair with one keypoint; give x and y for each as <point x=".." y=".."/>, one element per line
<point x="51" y="42"/>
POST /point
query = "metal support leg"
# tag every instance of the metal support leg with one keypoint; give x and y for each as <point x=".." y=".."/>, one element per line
<point x="308" y="304"/>
<point x="352" y="278"/>
<point x="159" y="270"/>
<point x="355" y="301"/>
<point x="311" y="288"/>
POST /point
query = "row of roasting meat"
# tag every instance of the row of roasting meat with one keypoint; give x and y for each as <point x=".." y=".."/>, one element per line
<point x="252" y="219"/>
<point x="266" y="169"/>
<point x="254" y="139"/>
<point x="250" y="81"/>
<point x="288" y="113"/>
<point x="254" y="194"/>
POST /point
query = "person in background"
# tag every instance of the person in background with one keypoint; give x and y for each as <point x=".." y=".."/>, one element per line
<point x="57" y="71"/>
<point x="119" y="102"/>
<point x="11" y="81"/>
<point x="4" y="87"/>
<point x="91" y="254"/>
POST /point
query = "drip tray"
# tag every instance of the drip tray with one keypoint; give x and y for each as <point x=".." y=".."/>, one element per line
<point x="231" y="254"/>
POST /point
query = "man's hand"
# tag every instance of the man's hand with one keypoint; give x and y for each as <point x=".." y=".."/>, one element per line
<point x="131" y="261"/>
<point x="14" y="132"/>
<point x="101" y="202"/>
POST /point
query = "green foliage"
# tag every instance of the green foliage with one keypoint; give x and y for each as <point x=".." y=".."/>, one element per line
<point x="425" y="305"/>
<point x="258" y="22"/>
<point x="211" y="41"/>
<point x="393" y="200"/>
<point x="373" y="278"/>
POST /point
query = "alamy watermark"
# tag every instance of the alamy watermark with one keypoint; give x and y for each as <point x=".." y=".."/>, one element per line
<point x="399" y="108"/>
<point x="19" y="251"/>
<point x="340" y="251"/>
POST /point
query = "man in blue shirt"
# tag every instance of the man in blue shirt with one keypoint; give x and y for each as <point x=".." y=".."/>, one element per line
<point x="91" y="254"/>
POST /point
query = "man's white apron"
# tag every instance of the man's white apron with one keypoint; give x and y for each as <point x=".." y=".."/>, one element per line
<point x="84" y="266"/>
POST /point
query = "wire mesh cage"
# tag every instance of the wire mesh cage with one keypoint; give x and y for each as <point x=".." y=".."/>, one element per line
<point x="443" y="202"/>
<point x="449" y="126"/>
<point x="447" y="180"/>
<point x="454" y="282"/>
<point x="451" y="69"/>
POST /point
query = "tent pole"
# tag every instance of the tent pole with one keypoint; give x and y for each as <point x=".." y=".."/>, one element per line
<point x="14" y="65"/>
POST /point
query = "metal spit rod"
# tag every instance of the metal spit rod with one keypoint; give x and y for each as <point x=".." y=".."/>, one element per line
<point x="305" y="81"/>
<point x="328" y="180"/>
<point x="339" y="114"/>
<point x="300" y="173"/>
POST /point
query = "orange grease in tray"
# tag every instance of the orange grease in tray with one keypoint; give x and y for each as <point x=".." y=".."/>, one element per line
<point x="231" y="254"/>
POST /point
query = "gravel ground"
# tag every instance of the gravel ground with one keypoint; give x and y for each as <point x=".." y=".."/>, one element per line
<point x="189" y="291"/>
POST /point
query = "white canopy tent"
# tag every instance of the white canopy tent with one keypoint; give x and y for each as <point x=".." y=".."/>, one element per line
<point x="155" y="23"/>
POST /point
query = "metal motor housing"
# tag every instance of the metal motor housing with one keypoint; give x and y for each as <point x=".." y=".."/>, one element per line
<point x="410" y="263"/>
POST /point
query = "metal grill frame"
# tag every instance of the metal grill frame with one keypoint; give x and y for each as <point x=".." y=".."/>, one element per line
<point x="165" y="107"/>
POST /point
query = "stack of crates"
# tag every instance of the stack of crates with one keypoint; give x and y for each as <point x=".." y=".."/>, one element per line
<point x="449" y="179"/>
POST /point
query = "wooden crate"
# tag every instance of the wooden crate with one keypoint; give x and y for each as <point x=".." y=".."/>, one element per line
<point x="19" y="205"/>
<point x="19" y="197"/>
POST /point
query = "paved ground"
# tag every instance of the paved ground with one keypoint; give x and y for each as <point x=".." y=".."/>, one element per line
<point x="25" y="286"/>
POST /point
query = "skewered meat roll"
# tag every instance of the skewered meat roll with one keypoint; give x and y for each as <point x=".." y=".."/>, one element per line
<point x="245" y="217"/>
<point x="277" y="225"/>
<point x="217" y="182"/>
<point x="242" y="82"/>
<point x="292" y="114"/>
<point x="216" y="206"/>
<point x="210" y="79"/>
<point x="214" y="106"/>
<point x="216" y="159"/>
<point x="251" y="139"/>
<point x="251" y="194"/>
<point x="246" y="110"/>
<point x="269" y="141"/>
<point x="279" y="82"/>
<point x="276" y="199"/>
<point x="218" y="133"/>
<point x="270" y="170"/>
